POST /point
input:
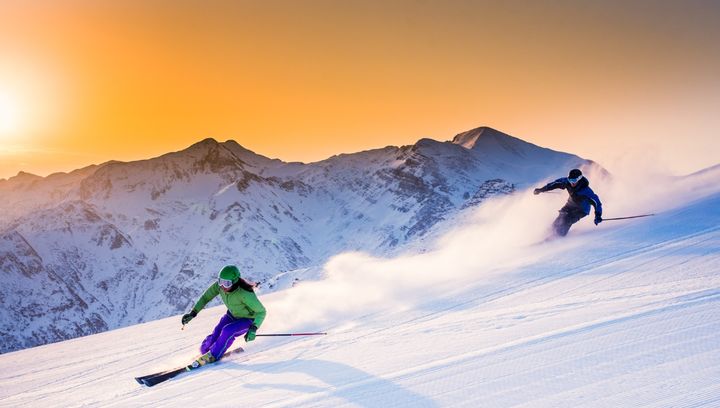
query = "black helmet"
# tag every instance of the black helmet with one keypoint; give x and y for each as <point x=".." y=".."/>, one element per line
<point x="575" y="173"/>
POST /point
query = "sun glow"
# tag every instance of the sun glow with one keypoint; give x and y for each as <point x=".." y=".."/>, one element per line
<point x="9" y="115"/>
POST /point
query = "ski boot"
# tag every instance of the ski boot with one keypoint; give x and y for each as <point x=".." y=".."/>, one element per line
<point x="206" y="358"/>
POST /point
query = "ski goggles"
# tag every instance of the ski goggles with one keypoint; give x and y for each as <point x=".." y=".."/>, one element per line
<point x="225" y="283"/>
<point x="575" y="180"/>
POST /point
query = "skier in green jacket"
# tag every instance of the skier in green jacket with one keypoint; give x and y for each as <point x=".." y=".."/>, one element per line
<point x="245" y="314"/>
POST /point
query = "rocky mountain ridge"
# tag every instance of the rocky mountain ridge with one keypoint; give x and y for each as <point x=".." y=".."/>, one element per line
<point x="126" y="242"/>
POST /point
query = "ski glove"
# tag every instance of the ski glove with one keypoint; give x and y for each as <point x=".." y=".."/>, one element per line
<point x="250" y="335"/>
<point x="188" y="316"/>
<point x="537" y="191"/>
<point x="598" y="219"/>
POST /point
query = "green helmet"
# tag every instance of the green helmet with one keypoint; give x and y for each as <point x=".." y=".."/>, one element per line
<point x="228" y="276"/>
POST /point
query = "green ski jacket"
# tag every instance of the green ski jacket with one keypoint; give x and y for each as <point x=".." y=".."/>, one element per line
<point x="240" y="302"/>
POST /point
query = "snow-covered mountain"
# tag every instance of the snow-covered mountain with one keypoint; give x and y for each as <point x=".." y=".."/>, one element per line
<point x="126" y="242"/>
<point x="625" y="314"/>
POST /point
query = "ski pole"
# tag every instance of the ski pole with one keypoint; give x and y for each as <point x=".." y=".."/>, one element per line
<point x="291" y="334"/>
<point x="625" y="218"/>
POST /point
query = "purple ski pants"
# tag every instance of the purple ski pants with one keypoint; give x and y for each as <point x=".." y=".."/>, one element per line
<point x="224" y="334"/>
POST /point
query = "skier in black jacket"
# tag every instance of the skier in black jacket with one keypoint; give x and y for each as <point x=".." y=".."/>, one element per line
<point x="578" y="204"/>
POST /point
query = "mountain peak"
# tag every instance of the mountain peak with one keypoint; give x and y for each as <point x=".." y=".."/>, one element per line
<point x="205" y="143"/>
<point x="24" y="176"/>
<point x="489" y="142"/>
<point x="470" y="138"/>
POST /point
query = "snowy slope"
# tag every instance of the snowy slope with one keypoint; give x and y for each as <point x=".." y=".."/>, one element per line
<point x="624" y="314"/>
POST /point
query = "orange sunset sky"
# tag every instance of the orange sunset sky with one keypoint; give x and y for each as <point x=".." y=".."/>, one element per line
<point x="83" y="82"/>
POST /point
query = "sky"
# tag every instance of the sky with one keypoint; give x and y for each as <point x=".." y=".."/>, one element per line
<point x="84" y="82"/>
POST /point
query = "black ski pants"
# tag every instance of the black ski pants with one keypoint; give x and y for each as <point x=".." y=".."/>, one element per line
<point x="568" y="215"/>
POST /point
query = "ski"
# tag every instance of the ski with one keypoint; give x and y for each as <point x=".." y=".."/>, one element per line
<point x="162" y="376"/>
<point x="141" y="379"/>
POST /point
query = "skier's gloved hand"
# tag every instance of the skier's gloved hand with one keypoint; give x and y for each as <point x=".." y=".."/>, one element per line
<point x="598" y="219"/>
<point x="537" y="191"/>
<point x="188" y="316"/>
<point x="250" y="335"/>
